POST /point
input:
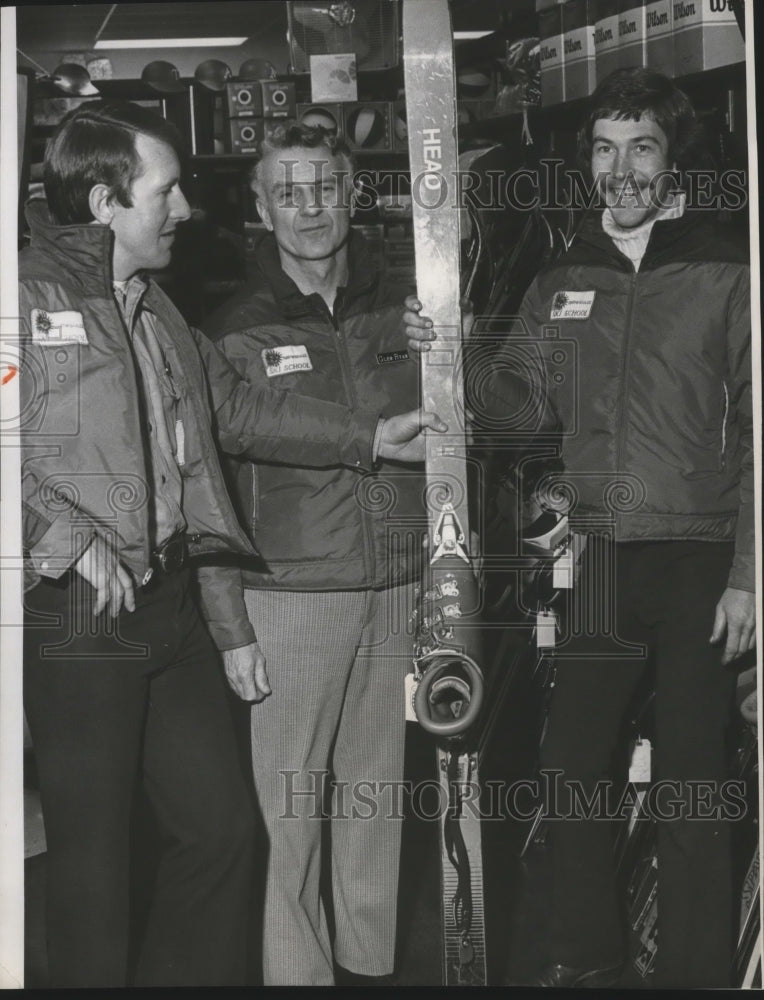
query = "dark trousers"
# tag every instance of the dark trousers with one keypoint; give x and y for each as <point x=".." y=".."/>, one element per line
<point x="110" y="708"/>
<point x="663" y="595"/>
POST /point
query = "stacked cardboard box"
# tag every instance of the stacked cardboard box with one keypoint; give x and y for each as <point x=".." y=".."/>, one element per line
<point x="659" y="41"/>
<point x="631" y="33"/>
<point x="583" y="41"/>
<point x="578" y="48"/>
<point x="706" y="36"/>
<point x="606" y="38"/>
<point x="254" y="107"/>
<point x="551" y="56"/>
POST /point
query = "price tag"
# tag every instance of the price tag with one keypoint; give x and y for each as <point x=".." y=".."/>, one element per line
<point x="562" y="571"/>
<point x="466" y="951"/>
<point x="639" y="769"/>
<point x="546" y="630"/>
<point x="409" y="686"/>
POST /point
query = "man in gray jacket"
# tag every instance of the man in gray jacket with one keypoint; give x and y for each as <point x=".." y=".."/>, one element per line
<point x="340" y="554"/>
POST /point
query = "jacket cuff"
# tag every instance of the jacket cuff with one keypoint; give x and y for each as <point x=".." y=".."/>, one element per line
<point x="743" y="571"/>
<point x="742" y="575"/>
<point x="362" y="442"/>
<point x="61" y="545"/>
<point x="221" y="603"/>
<point x="231" y="634"/>
<point x="377" y="440"/>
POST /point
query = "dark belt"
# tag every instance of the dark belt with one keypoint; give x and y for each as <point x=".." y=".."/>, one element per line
<point x="172" y="555"/>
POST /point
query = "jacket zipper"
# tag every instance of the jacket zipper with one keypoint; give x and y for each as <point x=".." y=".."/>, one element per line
<point x="125" y="322"/>
<point x="624" y="375"/>
<point x="342" y="358"/>
<point x="366" y="530"/>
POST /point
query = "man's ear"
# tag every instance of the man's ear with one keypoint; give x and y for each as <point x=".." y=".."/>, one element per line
<point x="262" y="210"/>
<point x="355" y="191"/>
<point x="101" y="202"/>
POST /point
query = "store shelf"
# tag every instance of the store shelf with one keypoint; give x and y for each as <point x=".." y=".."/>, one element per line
<point x="221" y="159"/>
<point x="569" y="115"/>
<point x="392" y="158"/>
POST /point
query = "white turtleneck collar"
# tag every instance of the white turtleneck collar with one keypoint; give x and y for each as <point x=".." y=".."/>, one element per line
<point x="633" y="242"/>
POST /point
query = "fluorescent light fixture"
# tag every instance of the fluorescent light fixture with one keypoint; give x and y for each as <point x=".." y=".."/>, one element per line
<point x="463" y="36"/>
<point x="168" y="43"/>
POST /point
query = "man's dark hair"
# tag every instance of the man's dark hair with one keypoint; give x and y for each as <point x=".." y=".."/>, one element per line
<point x="628" y="94"/>
<point x="298" y="135"/>
<point x="95" y="144"/>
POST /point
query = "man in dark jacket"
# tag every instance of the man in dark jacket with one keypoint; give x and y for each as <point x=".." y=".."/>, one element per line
<point x="120" y="482"/>
<point x="652" y="305"/>
<point x="330" y="601"/>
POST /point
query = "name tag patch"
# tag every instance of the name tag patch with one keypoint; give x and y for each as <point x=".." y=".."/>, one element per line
<point x="56" y="328"/>
<point x="388" y="357"/>
<point x="287" y="359"/>
<point x="572" y="305"/>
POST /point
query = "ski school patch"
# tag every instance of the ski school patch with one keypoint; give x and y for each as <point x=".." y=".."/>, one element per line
<point x="287" y="359"/>
<point x="56" y="328"/>
<point x="572" y="305"/>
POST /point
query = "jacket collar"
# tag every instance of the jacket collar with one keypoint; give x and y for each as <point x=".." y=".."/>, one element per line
<point x="362" y="278"/>
<point x="665" y="235"/>
<point x="84" y="250"/>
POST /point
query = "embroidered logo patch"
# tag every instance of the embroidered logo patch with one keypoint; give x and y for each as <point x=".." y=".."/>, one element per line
<point x="388" y="357"/>
<point x="572" y="305"/>
<point x="287" y="359"/>
<point x="56" y="328"/>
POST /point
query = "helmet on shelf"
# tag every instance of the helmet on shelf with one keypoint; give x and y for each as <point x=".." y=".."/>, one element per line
<point x="213" y="74"/>
<point x="163" y="76"/>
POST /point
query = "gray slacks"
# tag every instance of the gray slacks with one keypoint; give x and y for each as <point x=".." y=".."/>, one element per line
<point x="336" y="663"/>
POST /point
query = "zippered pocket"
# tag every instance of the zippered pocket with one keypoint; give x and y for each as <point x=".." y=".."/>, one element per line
<point x="723" y="443"/>
<point x="255" y="500"/>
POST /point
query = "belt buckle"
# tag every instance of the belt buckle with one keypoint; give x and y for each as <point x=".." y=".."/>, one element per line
<point x="172" y="555"/>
